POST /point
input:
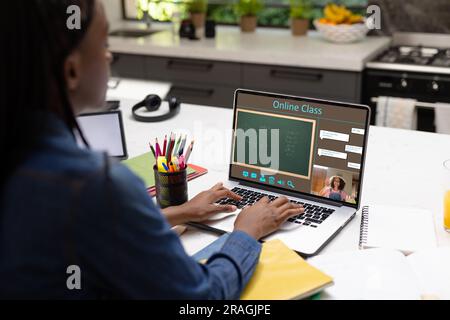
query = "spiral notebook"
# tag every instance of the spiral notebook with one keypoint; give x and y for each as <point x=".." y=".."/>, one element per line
<point x="400" y="228"/>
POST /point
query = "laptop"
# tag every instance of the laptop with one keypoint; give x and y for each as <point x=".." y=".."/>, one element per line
<point x="311" y="151"/>
<point x="104" y="132"/>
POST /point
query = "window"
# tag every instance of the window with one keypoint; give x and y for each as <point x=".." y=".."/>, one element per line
<point x="275" y="13"/>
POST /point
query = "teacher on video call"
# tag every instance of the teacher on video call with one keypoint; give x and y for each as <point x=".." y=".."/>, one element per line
<point x="334" y="189"/>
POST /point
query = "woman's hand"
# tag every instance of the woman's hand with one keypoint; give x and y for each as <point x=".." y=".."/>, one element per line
<point x="265" y="217"/>
<point x="201" y="207"/>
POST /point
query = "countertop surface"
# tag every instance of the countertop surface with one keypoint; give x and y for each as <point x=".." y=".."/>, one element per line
<point x="392" y="161"/>
<point x="265" y="46"/>
<point x="403" y="168"/>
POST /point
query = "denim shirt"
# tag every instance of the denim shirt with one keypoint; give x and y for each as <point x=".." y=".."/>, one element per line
<point x="67" y="206"/>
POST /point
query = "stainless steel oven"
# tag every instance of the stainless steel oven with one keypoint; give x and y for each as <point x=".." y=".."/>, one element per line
<point x="414" y="67"/>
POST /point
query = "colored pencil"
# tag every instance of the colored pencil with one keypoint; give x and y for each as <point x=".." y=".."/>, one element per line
<point x="171" y="146"/>
<point x="168" y="144"/>
<point x="153" y="150"/>
<point x="164" y="146"/>
<point x="188" y="153"/>
<point x="177" y="146"/>
<point x="158" y="149"/>
<point x="183" y="144"/>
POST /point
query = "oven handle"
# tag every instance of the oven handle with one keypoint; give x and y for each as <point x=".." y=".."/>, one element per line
<point x="418" y="103"/>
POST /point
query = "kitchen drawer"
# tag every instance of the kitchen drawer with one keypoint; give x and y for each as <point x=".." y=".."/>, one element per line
<point x="208" y="95"/>
<point x="128" y="66"/>
<point x="193" y="71"/>
<point x="315" y="83"/>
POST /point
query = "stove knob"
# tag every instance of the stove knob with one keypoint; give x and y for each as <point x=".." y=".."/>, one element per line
<point x="403" y="83"/>
<point x="435" y="86"/>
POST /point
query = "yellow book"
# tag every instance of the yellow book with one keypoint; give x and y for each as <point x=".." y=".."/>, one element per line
<point x="283" y="275"/>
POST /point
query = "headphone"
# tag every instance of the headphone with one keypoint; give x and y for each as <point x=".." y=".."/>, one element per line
<point x="152" y="103"/>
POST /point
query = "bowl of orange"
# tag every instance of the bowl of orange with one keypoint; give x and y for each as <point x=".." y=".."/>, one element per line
<point x="340" y="25"/>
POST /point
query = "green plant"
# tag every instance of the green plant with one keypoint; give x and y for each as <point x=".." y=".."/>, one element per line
<point x="159" y="10"/>
<point x="198" y="6"/>
<point x="275" y="17"/>
<point x="248" y="8"/>
<point x="300" y="9"/>
<point x="223" y="13"/>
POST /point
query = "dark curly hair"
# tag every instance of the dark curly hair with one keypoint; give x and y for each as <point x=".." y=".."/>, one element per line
<point x="36" y="42"/>
<point x="341" y="182"/>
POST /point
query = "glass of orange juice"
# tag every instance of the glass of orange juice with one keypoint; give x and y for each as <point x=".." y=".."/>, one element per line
<point x="447" y="195"/>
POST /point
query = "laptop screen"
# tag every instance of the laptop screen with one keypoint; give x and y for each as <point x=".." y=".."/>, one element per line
<point x="301" y="145"/>
<point x="104" y="132"/>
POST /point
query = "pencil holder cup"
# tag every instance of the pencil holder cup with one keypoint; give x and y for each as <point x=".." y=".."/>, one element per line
<point x="171" y="188"/>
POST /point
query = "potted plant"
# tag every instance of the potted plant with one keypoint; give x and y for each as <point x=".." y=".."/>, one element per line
<point x="248" y="11"/>
<point x="197" y="10"/>
<point x="143" y="13"/>
<point x="300" y="13"/>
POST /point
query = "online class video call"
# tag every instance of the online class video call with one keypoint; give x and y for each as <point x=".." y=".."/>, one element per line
<point x="299" y="146"/>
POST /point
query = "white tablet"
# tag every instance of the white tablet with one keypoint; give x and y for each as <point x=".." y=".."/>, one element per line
<point x="104" y="132"/>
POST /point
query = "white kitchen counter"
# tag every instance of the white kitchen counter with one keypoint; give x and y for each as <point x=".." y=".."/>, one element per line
<point x="403" y="167"/>
<point x="265" y="46"/>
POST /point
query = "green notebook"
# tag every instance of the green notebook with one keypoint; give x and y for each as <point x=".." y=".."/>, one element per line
<point x="143" y="165"/>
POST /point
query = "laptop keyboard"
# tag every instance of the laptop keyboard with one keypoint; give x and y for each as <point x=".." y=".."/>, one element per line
<point x="314" y="215"/>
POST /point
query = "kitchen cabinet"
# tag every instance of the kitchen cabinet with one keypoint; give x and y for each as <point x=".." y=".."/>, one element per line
<point x="314" y="83"/>
<point x="193" y="71"/>
<point x="128" y="66"/>
<point x="203" y="94"/>
<point x="213" y="82"/>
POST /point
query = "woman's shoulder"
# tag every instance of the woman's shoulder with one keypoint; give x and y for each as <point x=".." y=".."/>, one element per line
<point x="64" y="161"/>
<point x="117" y="184"/>
<point x="123" y="182"/>
<point x="122" y="176"/>
<point x="82" y="166"/>
<point x="114" y="173"/>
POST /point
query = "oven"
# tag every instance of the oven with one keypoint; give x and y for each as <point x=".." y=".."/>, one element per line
<point x="425" y="87"/>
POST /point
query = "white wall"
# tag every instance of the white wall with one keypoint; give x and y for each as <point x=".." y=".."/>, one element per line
<point x="113" y="10"/>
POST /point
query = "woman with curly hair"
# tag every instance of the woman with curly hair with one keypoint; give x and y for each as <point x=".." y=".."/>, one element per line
<point x="334" y="189"/>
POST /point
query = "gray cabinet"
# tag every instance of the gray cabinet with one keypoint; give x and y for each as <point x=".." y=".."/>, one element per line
<point x="197" y="81"/>
<point x="128" y="66"/>
<point x="214" y="82"/>
<point x="314" y="83"/>
<point x="203" y="94"/>
<point x="193" y="71"/>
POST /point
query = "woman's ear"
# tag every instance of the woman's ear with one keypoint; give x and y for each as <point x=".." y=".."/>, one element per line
<point x="72" y="71"/>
